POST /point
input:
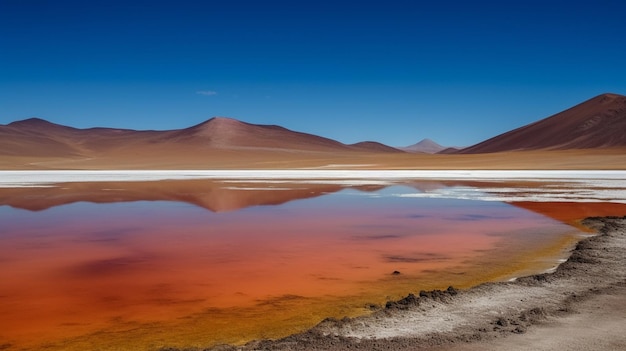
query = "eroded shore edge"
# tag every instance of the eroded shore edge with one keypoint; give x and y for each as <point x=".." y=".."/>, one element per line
<point x="436" y="319"/>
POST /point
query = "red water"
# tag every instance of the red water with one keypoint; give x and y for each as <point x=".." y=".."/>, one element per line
<point x="142" y="269"/>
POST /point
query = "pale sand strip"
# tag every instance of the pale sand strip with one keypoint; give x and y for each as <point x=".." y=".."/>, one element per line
<point x="47" y="177"/>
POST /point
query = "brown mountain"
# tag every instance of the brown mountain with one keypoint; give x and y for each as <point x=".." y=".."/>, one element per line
<point x="373" y="146"/>
<point x="228" y="133"/>
<point x="596" y="123"/>
<point x="426" y="146"/>
<point x="37" y="137"/>
<point x="450" y="150"/>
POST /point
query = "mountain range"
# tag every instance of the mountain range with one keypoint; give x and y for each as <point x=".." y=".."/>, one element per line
<point x="38" y="137"/>
<point x="598" y="124"/>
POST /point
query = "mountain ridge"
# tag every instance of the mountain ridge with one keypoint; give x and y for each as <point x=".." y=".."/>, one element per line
<point x="599" y="122"/>
<point x="220" y="133"/>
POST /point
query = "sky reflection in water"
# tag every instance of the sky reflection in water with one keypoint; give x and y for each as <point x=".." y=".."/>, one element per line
<point x="82" y="267"/>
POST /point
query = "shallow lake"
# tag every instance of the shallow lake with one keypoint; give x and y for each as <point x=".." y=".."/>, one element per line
<point x="193" y="263"/>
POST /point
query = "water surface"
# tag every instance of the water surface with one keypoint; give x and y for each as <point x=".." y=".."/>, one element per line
<point x="145" y="265"/>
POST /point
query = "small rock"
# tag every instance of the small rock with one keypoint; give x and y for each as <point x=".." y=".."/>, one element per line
<point x="519" y="330"/>
<point x="502" y="322"/>
<point x="452" y="291"/>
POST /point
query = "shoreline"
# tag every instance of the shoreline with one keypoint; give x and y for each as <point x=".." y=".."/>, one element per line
<point x="545" y="310"/>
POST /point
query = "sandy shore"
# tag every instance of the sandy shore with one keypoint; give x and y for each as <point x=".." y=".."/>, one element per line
<point x="579" y="306"/>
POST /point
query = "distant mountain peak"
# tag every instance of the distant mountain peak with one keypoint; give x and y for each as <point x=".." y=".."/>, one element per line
<point x="33" y="121"/>
<point x="219" y="121"/>
<point x="425" y="145"/>
<point x="427" y="141"/>
<point x="374" y="146"/>
<point x="611" y="98"/>
<point x="218" y="129"/>
<point x="611" y="95"/>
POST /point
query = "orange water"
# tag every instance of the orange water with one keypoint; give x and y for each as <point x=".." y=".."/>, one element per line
<point x="144" y="275"/>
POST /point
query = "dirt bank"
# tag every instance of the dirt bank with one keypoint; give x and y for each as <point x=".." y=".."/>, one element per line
<point x="581" y="305"/>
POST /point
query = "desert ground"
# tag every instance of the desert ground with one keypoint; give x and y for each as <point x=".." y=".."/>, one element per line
<point x="584" y="159"/>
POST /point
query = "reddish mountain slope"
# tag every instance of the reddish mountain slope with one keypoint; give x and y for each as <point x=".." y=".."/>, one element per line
<point x="39" y="138"/>
<point x="228" y="133"/>
<point x="372" y="146"/>
<point x="596" y="123"/>
<point x="36" y="137"/>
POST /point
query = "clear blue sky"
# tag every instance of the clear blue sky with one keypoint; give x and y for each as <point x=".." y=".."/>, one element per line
<point x="392" y="71"/>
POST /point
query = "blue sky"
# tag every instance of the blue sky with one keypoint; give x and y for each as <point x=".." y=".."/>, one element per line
<point x="392" y="71"/>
